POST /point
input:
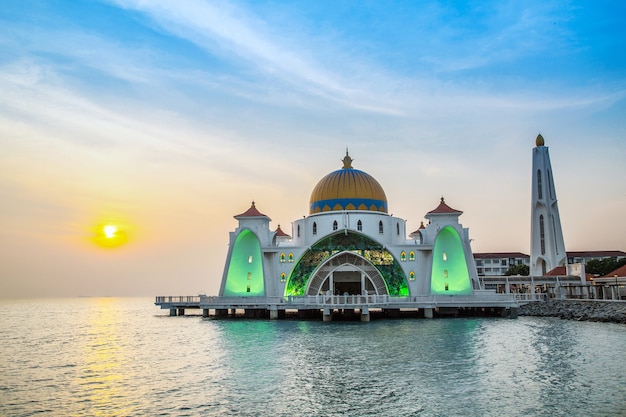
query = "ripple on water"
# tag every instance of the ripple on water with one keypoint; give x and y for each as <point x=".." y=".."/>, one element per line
<point x="120" y="357"/>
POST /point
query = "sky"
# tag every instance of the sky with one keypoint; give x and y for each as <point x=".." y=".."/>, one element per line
<point x="166" y="119"/>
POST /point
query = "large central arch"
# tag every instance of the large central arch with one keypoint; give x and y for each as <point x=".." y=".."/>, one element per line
<point x="343" y="259"/>
<point x="379" y="263"/>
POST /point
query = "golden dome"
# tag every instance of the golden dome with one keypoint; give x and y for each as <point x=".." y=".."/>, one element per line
<point x="539" y="141"/>
<point x="347" y="189"/>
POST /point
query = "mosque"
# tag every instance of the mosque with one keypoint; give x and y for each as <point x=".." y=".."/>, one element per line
<point x="350" y="246"/>
<point x="350" y="255"/>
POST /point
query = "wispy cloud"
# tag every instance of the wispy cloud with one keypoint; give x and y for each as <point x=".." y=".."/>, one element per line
<point x="236" y="34"/>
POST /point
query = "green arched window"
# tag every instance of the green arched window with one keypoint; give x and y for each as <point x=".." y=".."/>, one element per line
<point x="450" y="275"/>
<point x="245" y="267"/>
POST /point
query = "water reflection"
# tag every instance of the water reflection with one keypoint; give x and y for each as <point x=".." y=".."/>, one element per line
<point x="99" y="381"/>
<point x="117" y="357"/>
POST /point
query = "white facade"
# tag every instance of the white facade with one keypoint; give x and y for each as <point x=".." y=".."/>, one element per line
<point x="349" y="251"/>
<point x="547" y="247"/>
<point x="498" y="263"/>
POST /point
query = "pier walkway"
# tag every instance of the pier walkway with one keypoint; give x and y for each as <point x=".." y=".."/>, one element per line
<point x="276" y="306"/>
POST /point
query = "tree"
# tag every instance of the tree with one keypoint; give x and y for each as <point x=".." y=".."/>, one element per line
<point x="605" y="266"/>
<point x="521" y="269"/>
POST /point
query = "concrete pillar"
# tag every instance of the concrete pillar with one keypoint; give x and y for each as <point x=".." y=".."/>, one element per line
<point x="172" y="312"/>
<point x="205" y="312"/>
<point x="365" y="314"/>
<point x="362" y="282"/>
<point x="181" y="311"/>
<point x="327" y="315"/>
<point x="273" y="314"/>
<point x="428" y="313"/>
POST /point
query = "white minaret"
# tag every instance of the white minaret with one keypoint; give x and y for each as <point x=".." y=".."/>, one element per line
<point x="547" y="248"/>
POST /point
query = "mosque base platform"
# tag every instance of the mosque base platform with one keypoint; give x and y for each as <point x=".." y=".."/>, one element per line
<point x="345" y="307"/>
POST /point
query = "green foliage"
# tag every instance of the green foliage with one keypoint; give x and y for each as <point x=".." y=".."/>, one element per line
<point x="522" y="270"/>
<point x="603" y="267"/>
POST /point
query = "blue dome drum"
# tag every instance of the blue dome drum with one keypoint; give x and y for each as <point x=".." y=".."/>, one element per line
<point x="348" y="189"/>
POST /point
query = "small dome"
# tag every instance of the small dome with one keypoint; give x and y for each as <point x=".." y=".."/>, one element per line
<point x="539" y="141"/>
<point x="347" y="189"/>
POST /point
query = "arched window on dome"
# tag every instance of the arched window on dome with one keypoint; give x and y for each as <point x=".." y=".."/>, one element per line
<point x="359" y="226"/>
<point x="282" y="257"/>
<point x="412" y="276"/>
<point x="290" y="257"/>
<point x="398" y="229"/>
<point x="403" y="256"/>
<point x="335" y="225"/>
<point x="314" y="228"/>
<point x="380" y="227"/>
<point x="283" y="277"/>
<point x="411" y="256"/>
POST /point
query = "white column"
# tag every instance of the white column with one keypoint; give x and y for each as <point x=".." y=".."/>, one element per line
<point x="362" y="283"/>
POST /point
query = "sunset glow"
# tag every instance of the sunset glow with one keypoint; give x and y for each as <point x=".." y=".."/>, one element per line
<point x="110" y="236"/>
<point x="131" y="132"/>
<point x="110" y="231"/>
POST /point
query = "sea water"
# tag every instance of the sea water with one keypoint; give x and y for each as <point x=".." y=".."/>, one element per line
<point x="125" y="357"/>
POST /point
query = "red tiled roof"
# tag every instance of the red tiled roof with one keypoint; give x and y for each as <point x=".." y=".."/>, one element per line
<point x="620" y="272"/>
<point x="418" y="230"/>
<point x="443" y="208"/>
<point x="596" y="254"/>
<point x="251" y="212"/>
<point x="559" y="271"/>
<point x="279" y="232"/>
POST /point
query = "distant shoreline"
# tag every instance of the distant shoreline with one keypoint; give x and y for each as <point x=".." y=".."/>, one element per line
<point x="587" y="310"/>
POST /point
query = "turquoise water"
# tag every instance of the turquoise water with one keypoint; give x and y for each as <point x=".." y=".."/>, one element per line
<point x="125" y="357"/>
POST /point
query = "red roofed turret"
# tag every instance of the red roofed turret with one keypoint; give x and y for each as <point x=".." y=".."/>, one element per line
<point x="251" y="212"/>
<point x="279" y="232"/>
<point x="443" y="208"/>
<point x="418" y="231"/>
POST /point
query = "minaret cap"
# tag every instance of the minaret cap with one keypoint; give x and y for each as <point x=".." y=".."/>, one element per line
<point x="539" y="141"/>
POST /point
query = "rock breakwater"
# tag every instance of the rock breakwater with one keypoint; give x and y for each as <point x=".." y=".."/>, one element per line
<point x="587" y="310"/>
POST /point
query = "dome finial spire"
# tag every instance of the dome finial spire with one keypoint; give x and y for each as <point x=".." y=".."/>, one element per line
<point x="347" y="161"/>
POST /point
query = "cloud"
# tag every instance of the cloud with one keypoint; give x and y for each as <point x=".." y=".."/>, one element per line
<point x="236" y="35"/>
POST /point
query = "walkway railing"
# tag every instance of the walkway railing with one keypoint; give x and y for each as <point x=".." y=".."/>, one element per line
<point x="178" y="299"/>
<point x="479" y="298"/>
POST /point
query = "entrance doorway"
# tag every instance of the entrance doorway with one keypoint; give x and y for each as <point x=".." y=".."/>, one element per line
<point x="347" y="282"/>
<point x="349" y="273"/>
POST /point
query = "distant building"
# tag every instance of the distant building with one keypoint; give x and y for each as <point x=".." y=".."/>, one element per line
<point x="583" y="257"/>
<point x="497" y="263"/>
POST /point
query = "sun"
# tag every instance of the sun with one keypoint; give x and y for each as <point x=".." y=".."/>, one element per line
<point x="110" y="235"/>
<point x="109" y="231"/>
